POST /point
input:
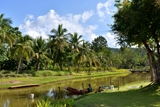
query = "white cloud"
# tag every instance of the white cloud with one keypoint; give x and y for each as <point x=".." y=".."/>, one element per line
<point x="86" y="15"/>
<point x="104" y="9"/>
<point x="42" y="25"/>
<point x="110" y="39"/>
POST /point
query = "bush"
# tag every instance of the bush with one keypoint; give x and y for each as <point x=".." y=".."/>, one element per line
<point x="49" y="102"/>
<point x="43" y="73"/>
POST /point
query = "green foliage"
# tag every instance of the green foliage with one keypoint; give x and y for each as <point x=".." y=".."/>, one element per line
<point x="50" y="73"/>
<point x="62" y="73"/>
<point x="99" y="44"/>
<point x="49" y="102"/>
<point x="3" y="54"/>
<point x="43" y="73"/>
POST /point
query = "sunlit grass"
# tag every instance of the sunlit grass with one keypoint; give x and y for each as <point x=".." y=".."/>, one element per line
<point x="147" y="96"/>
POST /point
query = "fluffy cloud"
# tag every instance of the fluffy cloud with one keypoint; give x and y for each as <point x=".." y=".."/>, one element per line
<point x="42" y="25"/>
<point x="110" y="39"/>
<point x="106" y="8"/>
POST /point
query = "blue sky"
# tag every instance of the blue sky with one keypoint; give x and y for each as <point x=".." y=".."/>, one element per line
<point x="89" y="18"/>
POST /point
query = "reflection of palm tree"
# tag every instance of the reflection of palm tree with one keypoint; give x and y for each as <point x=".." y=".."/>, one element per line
<point x="22" y="50"/>
<point x="58" y="42"/>
<point x="40" y="49"/>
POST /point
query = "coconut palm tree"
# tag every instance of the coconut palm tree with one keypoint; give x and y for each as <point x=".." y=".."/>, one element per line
<point x="7" y="33"/>
<point x="58" y="42"/>
<point x="22" y="49"/>
<point x="40" y="49"/>
<point x="92" y="59"/>
<point x="81" y="57"/>
<point x="75" y="42"/>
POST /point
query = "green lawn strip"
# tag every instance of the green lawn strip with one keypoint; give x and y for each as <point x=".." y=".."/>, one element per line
<point x="147" y="96"/>
<point x="12" y="81"/>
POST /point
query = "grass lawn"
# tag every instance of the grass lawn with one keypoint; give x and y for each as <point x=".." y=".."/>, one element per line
<point x="147" y="96"/>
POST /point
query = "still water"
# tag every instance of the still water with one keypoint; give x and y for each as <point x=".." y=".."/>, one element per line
<point x="21" y="97"/>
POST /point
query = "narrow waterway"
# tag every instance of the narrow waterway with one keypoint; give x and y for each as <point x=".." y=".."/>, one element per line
<point x="21" y="97"/>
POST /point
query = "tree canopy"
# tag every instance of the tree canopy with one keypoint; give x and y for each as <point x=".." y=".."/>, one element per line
<point x="136" y="23"/>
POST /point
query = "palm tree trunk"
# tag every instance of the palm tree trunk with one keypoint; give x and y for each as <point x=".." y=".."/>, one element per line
<point x="0" y="66"/>
<point x="69" y="65"/>
<point x="61" y="66"/>
<point x="19" y="63"/>
<point x="89" y="68"/>
<point x="46" y="65"/>
<point x="38" y="64"/>
<point x="55" y="59"/>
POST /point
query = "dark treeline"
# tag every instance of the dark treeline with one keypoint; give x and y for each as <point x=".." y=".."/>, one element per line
<point x="62" y="51"/>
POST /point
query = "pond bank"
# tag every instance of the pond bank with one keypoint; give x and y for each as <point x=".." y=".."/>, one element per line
<point x="12" y="81"/>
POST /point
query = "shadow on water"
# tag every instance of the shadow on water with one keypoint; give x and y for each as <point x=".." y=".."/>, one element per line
<point x="21" y="97"/>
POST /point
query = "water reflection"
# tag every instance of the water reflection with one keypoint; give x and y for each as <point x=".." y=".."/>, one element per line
<point x="21" y="97"/>
<point x="6" y="104"/>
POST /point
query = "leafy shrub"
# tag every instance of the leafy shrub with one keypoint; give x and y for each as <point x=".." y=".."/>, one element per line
<point x="62" y="73"/>
<point x="49" y="102"/>
<point x="43" y="73"/>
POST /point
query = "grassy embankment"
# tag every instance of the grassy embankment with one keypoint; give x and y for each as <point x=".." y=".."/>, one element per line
<point x="146" y="96"/>
<point x="43" y="77"/>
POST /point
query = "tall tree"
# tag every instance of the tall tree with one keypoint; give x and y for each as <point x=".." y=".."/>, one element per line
<point x="137" y="23"/>
<point x="58" y="42"/>
<point x="99" y="43"/>
<point x="7" y="33"/>
<point x="22" y="49"/>
<point x="81" y="56"/>
<point x="3" y="55"/>
<point x="75" y="41"/>
<point x="40" y="50"/>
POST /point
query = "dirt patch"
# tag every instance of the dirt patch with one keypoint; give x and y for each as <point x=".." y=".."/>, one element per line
<point x="11" y="82"/>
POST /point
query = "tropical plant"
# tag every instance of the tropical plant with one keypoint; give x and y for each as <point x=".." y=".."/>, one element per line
<point x="75" y="42"/>
<point x="49" y="102"/>
<point x="22" y="49"/>
<point x="7" y="33"/>
<point x="58" y="42"/>
<point x="40" y="50"/>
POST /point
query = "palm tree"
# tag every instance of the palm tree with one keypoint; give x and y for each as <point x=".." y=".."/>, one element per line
<point x="74" y="43"/>
<point x="40" y="49"/>
<point x="92" y="59"/>
<point x="22" y="50"/>
<point x="81" y="57"/>
<point x="7" y="33"/>
<point x="58" y="42"/>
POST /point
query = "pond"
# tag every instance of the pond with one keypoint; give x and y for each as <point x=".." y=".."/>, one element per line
<point x="21" y="97"/>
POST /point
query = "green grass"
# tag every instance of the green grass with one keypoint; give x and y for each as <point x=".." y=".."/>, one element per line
<point x="147" y="96"/>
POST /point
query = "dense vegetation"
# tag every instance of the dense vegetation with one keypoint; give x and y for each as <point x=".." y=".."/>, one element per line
<point x="136" y="23"/>
<point x="62" y="51"/>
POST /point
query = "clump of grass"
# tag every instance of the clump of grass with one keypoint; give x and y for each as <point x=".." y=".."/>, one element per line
<point x="43" y="73"/>
<point x="49" y="102"/>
